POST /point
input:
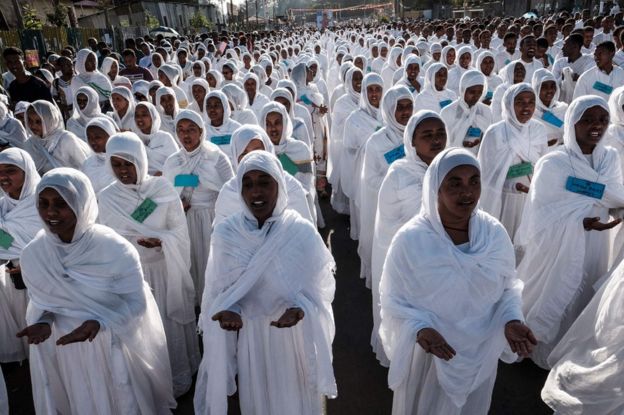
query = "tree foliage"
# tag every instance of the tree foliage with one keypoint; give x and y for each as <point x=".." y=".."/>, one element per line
<point x="150" y="20"/>
<point x="199" y="21"/>
<point x="31" y="21"/>
<point x="58" y="17"/>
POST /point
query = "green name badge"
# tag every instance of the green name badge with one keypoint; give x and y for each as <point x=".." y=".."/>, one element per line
<point x="186" y="180"/>
<point x="221" y="140"/>
<point x="604" y="88"/>
<point x="144" y="210"/>
<point x="6" y="240"/>
<point x="287" y="164"/>
<point x="519" y="170"/>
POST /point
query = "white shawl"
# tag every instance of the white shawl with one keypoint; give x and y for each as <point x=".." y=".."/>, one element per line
<point x="95" y="166"/>
<point x="158" y="144"/>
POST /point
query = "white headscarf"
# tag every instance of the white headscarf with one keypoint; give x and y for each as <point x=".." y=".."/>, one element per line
<point x="92" y="110"/>
<point x="159" y="144"/>
<point x="127" y="121"/>
<point x="95" y="166"/>
<point x="11" y="129"/>
<point x="19" y="217"/>
<point x="95" y="79"/>
<point x="167" y="121"/>
<point x="296" y="150"/>
<point x="243" y="136"/>
<point x="388" y="108"/>
<point x="615" y="134"/>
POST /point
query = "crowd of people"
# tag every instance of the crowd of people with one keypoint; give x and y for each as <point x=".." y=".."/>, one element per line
<point x="171" y="192"/>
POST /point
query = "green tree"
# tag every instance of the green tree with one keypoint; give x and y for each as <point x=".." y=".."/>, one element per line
<point x="58" y="17"/>
<point x="31" y="21"/>
<point x="199" y="21"/>
<point x="150" y="20"/>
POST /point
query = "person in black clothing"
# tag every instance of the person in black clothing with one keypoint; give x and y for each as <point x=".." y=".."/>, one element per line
<point x="25" y="87"/>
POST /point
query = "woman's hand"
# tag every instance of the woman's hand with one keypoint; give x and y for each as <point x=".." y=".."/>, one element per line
<point x="229" y="320"/>
<point x="433" y="342"/>
<point x="522" y="188"/>
<point x="470" y="144"/>
<point x="87" y="331"/>
<point x="149" y="242"/>
<point x="552" y="142"/>
<point x="291" y="317"/>
<point x="37" y="333"/>
<point x="520" y="338"/>
<point x="594" y="224"/>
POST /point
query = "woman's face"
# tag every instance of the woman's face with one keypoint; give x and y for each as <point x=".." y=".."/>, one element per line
<point x="56" y="214"/>
<point x="167" y="102"/>
<point x="519" y="73"/>
<point x="260" y="192"/>
<point x="356" y="81"/>
<point x="215" y="111"/>
<point x="199" y="94"/>
<point x="253" y="145"/>
<point x="189" y="134"/>
<point x="124" y="170"/>
<point x="97" y="138"/>
<point x="114" y="71"/>
<point x="547" y="92"/>
<point x="197" y="69"/>
<point x="35" y="123"/>
<point x="459" y="194"/>
<point x="163" y="78"/>
<point x="119" y="104"/>
<point x="143" y="119"/>
<point x="90" y="63"/>
<point x="212" y="81"/>
<point x="464" y="60"/>
<point x="473" y="95"/>
<point x="487" y="66"/>
<point x="450" y="57"/>
<point x="524" y="106"/>
<point x="440" y="79"/>
<point x="157" y="60"/>
<point x="274" y="126"/>
<point x="404" y="110"/>
<point x="250" y="88"/>
<point x="11" y="180"/>
<point x="590" y="128"/>
<point x="413" y="70"/>
<point x="429" y="139"/>
<point x="284" y="102"/>
<point x="82" y="100"/>
<point x="227" y="73"/>
<point x="374" y="93"/>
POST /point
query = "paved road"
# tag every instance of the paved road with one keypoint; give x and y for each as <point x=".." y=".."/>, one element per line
<point x="362" y="387"/>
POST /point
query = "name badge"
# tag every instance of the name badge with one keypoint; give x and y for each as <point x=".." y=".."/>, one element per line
<point x="551" y="118"/>
<point x="221" y="140"/>
<point x="306" y="100"/>
<point x="585" y="187"/>
<point x="519" y="170"/>
<point x="489" y="95"/>
<point x="395" y="154"/>
<point x="445" y="103"/>
<point x="6" y="240"/>
<point x="412" y="88"/>
<point x="287" y="164"/>
<point x="144" y="210"/>
<point x="379" y="127"/>
<point x="369" y="69"/>
<point x="604" y="88"/>
<point x="474" y="132"/>
<point x="507" y="61"/>
<point x="186" y="180"/>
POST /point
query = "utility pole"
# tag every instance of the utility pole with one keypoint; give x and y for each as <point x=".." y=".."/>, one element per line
<point x="256" y="12"/>
<point x="247" y="12"/>
<point x="18" y="14"/>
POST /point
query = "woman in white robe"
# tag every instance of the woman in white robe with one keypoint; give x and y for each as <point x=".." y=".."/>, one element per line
<point x="4" y="398"/>
<point x="449" y="57"/>
<point x="393" y="62"/>
<point x="214" y="79"/>
<point x="587" y="365"/>
<point x="485" y="64"/>
<point x="158" y="144"/>
<point x="160" y="236"/>
<point x="12" y="132"/>
<point x="511" y="75"/>
<point x="77" y="124"/>
<point x="239" y="104"/>
<point x="257" y="101"/>
<point x="98" y="131"/>
<point x="340" y="89"/>
<point x="19" y="223"/>
<point x="52" y="146"/>
<point x="467" y="118"/>
<point x="345" y="105"/>
<point x="450" y="300"/>
<point x="295" y="156"/>
<point x="435" y="96"/>
<point x="168" y="109"/>
<point x="169" y="75"/>
<point x="464" y="61"/>
<point x="400" y="198"/>
<point x="410" y="74"/>
<point x="562" y="232"/>
<point x="381" y="150"/>
<point x="270" y="276"/>
<point x="123" y="104"/>
<point x="86" y="58"/>
<point x="507" y="155"/>
<point x="299" y="111"/>
<point x="85" y="283"/>
<point x="549" y="111"/>
<point x="250" y="138"/>
<point x="218" y="119"/>
<point x="198" y="171"/>
<point x="300" y="130"/>
<point x="199" y="89"/>
<point x="359" y="126"/>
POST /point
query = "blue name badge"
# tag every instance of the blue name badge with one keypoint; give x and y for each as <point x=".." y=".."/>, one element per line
<point x="221" y="140"/>
<point x="474" y="132"/>
<point x="489" y="95"/>
<point x="186" y="180"/>
<point x="395" y="154"/>
<point x="551" y="118"/>
<point x="604" y="88"/>
<point x="306" y="100"/>
<point x="585" y="187"/>
<point x="445" y="103"/>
